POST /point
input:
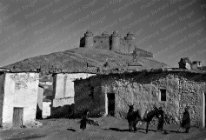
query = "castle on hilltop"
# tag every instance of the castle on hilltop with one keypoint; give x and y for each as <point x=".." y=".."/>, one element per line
<point x="113" y="42"/>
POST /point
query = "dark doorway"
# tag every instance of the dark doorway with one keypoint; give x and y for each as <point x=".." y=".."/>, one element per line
<point x="38" y="112"/>
<point x="18" y="117"/>
<point x="111" y="103"/>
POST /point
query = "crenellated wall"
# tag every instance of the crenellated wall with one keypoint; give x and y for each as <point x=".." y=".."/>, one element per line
<point x="113" y="42"/>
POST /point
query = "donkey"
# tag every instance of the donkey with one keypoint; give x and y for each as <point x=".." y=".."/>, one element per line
<point x="133" y="118"/>
<point x="136" y="117"/>
<point x="150" y="115"/>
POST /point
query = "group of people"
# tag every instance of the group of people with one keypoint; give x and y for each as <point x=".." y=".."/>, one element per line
<point x="134" y="117"/>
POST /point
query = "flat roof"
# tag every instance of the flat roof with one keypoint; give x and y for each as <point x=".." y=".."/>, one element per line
<point x="162" y="70"/>
<point x="9" y="71"/>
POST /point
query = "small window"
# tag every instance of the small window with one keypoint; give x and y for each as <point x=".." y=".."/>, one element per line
<point x="162" y="95"/>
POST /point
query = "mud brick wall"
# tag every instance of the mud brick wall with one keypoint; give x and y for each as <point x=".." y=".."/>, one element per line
<point x="102" y="42"/>
<point x="192" y="89"/>
<point x="144" y="90"/>
<point x="88" y="95"/>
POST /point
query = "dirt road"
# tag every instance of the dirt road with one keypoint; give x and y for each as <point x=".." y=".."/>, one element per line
<point x="109" y="129"/>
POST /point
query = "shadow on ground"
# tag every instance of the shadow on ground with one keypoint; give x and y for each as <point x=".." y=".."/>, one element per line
<point x="71" y="129"/>
<point x="123" y="130"/>
<point x="27" y="137"/>
<point x="142" y="130"/>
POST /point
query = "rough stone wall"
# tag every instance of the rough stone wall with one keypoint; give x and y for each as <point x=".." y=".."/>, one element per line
<point x="172" y="88"/>
<point x="192" y="89"/>
<point x="88" y="95"/>
<point x="143" y="90"/>
<point x="119" y="44"/>
<point x="102" y="42"/>
<point x="126" y="47"/>
<point x="105" y="42"/>
<point x="20" y="90"/>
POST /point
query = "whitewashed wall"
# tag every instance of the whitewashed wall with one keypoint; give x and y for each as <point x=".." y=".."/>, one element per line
<point x="40" y="97"/>
<point x="64" y="87"/>
<point x="20" y="90"/>
<point x="46" y="109"/>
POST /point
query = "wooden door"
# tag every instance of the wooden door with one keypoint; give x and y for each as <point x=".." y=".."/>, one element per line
<point x="18" y="117"/>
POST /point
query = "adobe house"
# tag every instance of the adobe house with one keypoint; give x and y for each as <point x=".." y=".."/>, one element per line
<point x="173" y="89"/>
<point x="18" y="98"/>
<point x="63" y="87"/>
<point x="186" y="63"/>
<point x="63" y="93"/>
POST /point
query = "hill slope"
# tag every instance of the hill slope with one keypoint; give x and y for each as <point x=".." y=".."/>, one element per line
<point x="84" y="60"/>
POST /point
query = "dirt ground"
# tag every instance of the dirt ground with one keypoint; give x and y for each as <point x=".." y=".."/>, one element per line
<point x="110" y="129"/>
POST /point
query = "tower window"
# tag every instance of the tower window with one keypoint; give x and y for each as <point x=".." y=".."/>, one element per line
<point x="162" y="95"/>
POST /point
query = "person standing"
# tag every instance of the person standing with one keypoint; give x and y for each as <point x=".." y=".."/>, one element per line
<point x="185" y="123"/>
<point x="85" y="120"/>
<point x="160" y="119"/>
<point x="130" y="117"/>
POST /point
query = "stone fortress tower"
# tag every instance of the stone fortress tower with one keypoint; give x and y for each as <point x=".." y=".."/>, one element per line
<point x="114" y="42"/>
<point x="129" y="39"/>
<point x="88" y="37"/>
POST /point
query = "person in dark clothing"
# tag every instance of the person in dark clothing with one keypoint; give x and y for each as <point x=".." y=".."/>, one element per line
<point x="130" y="118"/>
<point x="85" y="120"/>
<point x="160" y="119"/>
<point x="186" y="120"/>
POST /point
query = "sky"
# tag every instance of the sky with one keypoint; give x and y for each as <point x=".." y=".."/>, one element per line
<point x="170" y="29"/>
